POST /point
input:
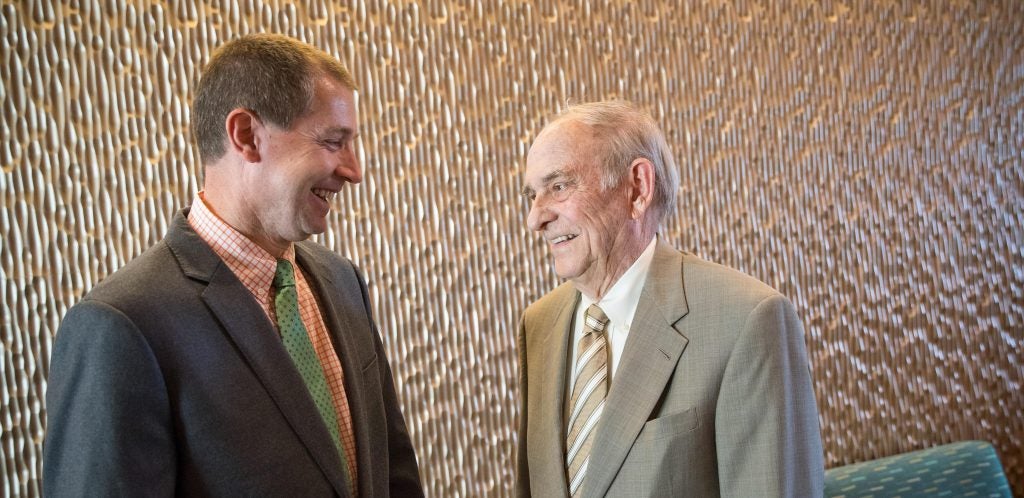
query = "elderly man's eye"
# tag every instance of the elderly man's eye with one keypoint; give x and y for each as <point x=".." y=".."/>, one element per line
<point x="562" y="190"/>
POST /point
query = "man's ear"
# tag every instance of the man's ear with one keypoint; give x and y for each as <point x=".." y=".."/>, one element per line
<point x="241" y="126"/>
<point x="641" y="183"/>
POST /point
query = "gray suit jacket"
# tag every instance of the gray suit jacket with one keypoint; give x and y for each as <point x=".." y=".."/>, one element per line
<point x="712" y="395"/>
<point x="169" y="379"/>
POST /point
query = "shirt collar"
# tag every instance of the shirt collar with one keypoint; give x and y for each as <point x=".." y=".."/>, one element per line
<point x="621" y="300"/>
<point x="253" y="265"/>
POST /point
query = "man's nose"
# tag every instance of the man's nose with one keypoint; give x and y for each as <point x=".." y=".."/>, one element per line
<point x="540" y="215"/>
<point x="349" y="167"/>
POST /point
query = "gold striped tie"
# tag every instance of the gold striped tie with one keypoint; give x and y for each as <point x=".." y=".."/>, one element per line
<point x="588" y="393"/>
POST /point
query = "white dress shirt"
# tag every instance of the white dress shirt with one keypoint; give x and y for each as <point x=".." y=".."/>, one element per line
<point x="619" y="304"/>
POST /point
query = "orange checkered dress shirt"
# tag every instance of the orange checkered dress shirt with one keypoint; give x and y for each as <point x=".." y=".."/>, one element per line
<point x="255" y="268"/>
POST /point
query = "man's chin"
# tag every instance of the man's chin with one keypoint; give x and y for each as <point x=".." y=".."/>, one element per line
<point x="309" y="229"/>
<point x="565" y="273"/>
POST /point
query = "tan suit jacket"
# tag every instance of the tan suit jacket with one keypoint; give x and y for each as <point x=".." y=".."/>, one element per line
<point x="712" y="395"/>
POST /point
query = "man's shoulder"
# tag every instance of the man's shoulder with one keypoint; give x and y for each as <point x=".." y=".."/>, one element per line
<point x="712" y="284"/>
<point x="140" y="292"/>
<point x="316" y="257"/>
<point x="704" y="272"/>
<point x="321" y="253"/>
<point x="553" y="302"/>
<point x="152" y="271"/>
<point x="147" y="273"/>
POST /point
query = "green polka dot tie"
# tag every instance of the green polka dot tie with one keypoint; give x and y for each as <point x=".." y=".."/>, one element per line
<point x="296" y="341"/>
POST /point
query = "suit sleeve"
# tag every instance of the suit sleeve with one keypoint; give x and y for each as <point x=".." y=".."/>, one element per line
<point x="108" y="419"/>
<point x="766" y="423"/>
<point x="403" y="471"/>
<point x="522" y="461"/>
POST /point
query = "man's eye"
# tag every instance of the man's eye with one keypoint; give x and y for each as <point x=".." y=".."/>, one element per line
<point x="332" y="144"/>
<point x="559" y="187"/>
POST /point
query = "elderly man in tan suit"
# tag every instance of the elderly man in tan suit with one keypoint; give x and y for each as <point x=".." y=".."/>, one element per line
<point x="651" y="372"/>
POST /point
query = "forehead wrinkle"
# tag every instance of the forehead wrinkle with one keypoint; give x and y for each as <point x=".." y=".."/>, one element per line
<point x="574" y="142"/>
<point x="563" y="142"/>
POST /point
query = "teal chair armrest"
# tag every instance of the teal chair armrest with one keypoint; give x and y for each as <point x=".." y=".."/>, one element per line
<point x="964" y="469"/>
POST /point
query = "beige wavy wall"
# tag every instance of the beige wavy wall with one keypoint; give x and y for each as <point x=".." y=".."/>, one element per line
<point x="864" y="157"/>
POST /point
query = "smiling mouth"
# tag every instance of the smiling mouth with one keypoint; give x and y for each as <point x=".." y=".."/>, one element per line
<point x="326" y="195"/>
<point x="562" y="238"/>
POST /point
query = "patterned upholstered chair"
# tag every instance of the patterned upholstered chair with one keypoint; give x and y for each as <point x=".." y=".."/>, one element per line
<point x="964" y="469"/>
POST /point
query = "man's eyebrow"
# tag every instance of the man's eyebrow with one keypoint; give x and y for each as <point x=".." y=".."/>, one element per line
<point x="337" y="131"/>
<point x="546" y="180"/>
<point x="554" y="175"/>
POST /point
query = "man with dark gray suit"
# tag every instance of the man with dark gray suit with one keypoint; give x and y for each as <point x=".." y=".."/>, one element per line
<point x="651" y="372"/>
<point x="233" y="358"/>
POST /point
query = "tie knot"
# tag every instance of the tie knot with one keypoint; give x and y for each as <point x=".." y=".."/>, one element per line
<point x="284" y="276"/>
<point x="595" y="319"/>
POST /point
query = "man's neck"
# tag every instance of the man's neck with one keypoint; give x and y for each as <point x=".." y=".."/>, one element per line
<point x="626" y="260"/>
<point x="225" y="214"/>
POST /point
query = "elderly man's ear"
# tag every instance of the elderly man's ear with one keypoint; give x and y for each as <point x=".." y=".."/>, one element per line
<point x="242" y="127"/>
<point x="641" y="185"/>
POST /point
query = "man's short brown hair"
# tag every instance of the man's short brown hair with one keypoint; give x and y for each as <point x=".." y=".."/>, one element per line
<point x="273" y="76"/>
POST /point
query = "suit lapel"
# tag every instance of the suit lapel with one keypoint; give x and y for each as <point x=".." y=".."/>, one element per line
<point x="257" y="340"/>
<point x="648" y="360"/>
<point x="551" y="363"/>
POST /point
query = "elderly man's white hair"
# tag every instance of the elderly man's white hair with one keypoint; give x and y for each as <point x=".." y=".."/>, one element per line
<point x="626" y="133"/>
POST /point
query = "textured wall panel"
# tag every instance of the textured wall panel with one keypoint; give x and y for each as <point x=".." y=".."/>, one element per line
<point x="864" y="157"/>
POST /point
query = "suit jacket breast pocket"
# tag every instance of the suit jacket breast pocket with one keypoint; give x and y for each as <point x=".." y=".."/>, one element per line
<point x="669" y="425"/>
